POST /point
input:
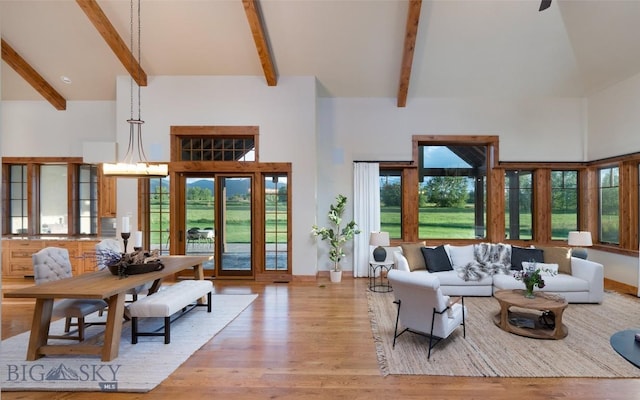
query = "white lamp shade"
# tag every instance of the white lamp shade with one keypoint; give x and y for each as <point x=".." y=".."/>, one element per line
<point x="580" y="238"/>
<point x="379" y="239"/>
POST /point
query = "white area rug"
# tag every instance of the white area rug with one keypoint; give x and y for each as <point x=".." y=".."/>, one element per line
<point x="138" y="368"/>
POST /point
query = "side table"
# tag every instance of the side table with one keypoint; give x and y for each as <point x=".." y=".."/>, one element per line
<point x="378" y="281"/>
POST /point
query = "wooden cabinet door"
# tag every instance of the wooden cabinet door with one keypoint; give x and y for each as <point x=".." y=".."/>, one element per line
<point x="107" y="201"/>
<point x="16" y="257"/>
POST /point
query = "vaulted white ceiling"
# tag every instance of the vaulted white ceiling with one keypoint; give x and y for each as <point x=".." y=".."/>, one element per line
<point x="495" y="48"/>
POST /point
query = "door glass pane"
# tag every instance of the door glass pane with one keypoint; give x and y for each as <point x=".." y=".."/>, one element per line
<point x="53" y="199"/>
<point x="87" y="200"/>
<point x="18" y="199"/>
<point x="159" y="216"/>
<point x="200" y="217"/>
<point x="275" y="224"/>
<point x="236" y="224"/>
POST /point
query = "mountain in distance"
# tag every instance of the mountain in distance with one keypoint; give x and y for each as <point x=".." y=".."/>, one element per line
<point x="234" y="186"/>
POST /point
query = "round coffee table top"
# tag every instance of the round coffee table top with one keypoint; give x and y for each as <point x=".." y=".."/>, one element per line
<point x="541" y="301"/>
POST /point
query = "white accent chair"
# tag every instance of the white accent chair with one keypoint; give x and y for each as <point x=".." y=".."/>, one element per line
<point x="52" y="264"/>
<point x="423" y="309"/>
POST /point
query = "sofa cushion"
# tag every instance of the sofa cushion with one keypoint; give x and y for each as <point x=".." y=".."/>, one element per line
<point x="461" y="255"/>
<point x="413" y="254"/>
<point x="558" y="255"/>
<point x="451" y="278"/>
<point x="436" y="259"/>
<point x="520" y="254"/>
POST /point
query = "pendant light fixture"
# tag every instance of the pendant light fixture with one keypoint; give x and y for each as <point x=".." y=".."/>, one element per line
<point x="135" y="164"/>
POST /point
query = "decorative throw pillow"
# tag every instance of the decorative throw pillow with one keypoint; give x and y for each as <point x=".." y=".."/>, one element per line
<point x="436" y="259"/>
<point x="558" y="255"/>
<point x="461" y="255"/>
<point x="545" y="269"/>
<point x="413" y="254"/>
<point x="520" y="254"/>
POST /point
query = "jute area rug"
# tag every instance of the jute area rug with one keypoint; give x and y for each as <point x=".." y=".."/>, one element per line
<point x="489" y="351"/>
<point x="138" y="368"/>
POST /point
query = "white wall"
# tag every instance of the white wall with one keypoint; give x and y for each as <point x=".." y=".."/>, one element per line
<point x="36" y="129"/>
<point x="285" y="115"/>
<point x="377" y="130"/>
<point x="614" y="120"/>
<point x="617" y="267"/>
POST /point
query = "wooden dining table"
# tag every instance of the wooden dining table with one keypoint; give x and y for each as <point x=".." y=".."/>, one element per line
<point x="94" y="285"/>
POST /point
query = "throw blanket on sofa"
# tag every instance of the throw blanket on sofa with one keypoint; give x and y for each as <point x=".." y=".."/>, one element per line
<point x="490" y="259"/>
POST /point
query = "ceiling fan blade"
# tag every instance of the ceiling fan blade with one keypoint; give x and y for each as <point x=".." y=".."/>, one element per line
<point x="544" y="5"/>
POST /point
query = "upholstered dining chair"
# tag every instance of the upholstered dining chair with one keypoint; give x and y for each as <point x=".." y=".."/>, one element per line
<point x="52" y="264"/>
<point x="423" y="309"/>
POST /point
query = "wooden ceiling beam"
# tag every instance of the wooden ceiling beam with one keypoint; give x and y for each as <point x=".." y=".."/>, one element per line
<point x="251" y="7"/>
<point x="26" y="71"/>
<point x="411" y="32"/>
<point x="113" y="39"/>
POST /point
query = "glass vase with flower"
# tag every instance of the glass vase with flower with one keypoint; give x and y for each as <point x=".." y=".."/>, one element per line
<point x="531" y="277"/>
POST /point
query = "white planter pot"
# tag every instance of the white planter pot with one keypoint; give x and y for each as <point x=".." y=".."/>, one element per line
<point x="336" y="276"/>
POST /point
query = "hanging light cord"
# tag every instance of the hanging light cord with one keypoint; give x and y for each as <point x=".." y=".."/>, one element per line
<point x="133" y="123"/>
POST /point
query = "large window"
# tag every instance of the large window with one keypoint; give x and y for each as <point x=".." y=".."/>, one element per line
<point x="518" y="204"/>
<point x="564" y="203"/>
<point x="63" y="199"/>
<point x="391" y="203"/>
<point x="609" y="205"/>
<point x="451" y="191"/>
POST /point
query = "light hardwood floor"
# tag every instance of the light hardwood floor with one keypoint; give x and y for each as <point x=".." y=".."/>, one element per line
<point x="312" y="341"/>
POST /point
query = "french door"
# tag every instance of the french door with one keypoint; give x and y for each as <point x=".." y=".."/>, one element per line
<point x="216" y="219"/>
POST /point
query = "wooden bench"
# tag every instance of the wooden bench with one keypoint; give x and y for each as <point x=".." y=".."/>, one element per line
<point x="182" y="296"/>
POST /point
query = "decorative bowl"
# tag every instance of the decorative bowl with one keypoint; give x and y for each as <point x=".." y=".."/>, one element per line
<point x="135" y="269"/>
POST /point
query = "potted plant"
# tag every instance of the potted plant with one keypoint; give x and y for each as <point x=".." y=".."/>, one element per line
<point x="337" y="235"/>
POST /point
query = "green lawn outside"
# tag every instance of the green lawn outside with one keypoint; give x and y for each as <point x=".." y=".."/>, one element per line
<point x="435" y="223"/>
<point x="200" y="215"/>
<point x="458" y="223"/>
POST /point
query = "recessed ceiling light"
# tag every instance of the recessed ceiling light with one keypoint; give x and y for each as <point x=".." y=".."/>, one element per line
<point x="65" y="79"/>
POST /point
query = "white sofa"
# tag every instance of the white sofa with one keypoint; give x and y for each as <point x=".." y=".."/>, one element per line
<point x="585" y="284"/>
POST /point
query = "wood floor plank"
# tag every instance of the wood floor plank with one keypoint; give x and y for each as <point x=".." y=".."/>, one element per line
<point x="305" y="340"/>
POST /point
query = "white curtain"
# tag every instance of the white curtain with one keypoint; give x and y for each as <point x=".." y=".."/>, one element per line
<point x="366" y="212"/>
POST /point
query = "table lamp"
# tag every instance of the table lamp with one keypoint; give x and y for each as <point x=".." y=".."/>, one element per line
<point x="379" y="239"/>
<point x="581" y="239"/>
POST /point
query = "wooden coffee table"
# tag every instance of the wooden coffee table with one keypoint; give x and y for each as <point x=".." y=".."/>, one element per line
<point x="528" y="321"/>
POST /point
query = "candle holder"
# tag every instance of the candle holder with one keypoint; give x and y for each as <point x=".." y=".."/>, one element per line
<point x="125" y="237"/>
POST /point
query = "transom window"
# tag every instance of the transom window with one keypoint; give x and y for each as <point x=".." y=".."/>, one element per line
<point x="217" y="149"/>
